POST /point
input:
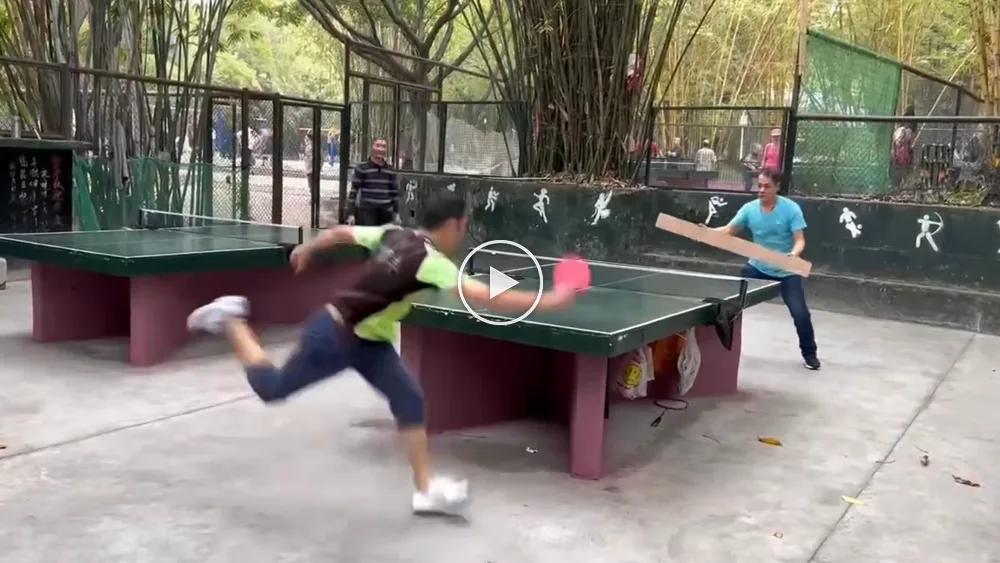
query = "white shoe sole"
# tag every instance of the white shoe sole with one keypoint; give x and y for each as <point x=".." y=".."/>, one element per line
<point x="453" y="508"/>
<point x="231" y="306"/>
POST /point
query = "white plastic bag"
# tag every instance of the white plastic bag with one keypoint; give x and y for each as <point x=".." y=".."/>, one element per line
<point x="689" y="363"/>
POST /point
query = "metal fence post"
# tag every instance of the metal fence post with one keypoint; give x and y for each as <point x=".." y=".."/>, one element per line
<point x="67" y="101"/>
<point x="396" y="125"/>
<point x="205" y="203"/>
<point x="442" y="134"/>
<point x="525" y="123"/>
<point x="245" y="155"/>
<point x="366" y="141"/>
<point x="649" y="149"/>
<point x="314" y="173"/>
<point x="954" y="126"/>
<point x="277" y="159"/>
<point x="345" y="162"/>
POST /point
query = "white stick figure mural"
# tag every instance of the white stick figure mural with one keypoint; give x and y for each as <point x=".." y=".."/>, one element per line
<point x="847" y="219"/>
<point x="601" y="210"/>
<point x="450" y="187"/>
<point x="491" y="199"/>
<point x="714" y="203"/>
<point x="539" y="206"/>
<point x="411" y="188"/>
<point x="925" y="230"/>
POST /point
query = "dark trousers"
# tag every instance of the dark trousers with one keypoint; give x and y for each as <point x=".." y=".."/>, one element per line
<point x="326" y="349"/>
<point x="373" y="216"/>
<point x="794" y="294"/>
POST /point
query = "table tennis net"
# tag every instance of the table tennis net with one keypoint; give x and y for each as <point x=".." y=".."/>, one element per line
<point x="220" y="227"/>
<point x="609" y="275"/>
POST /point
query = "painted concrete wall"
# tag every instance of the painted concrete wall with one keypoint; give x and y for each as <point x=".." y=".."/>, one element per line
<point x="932" y="264"/>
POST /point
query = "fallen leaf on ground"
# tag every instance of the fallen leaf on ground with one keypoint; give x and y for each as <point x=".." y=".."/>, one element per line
<point x="965" y="482"/>
<point x="852" y="500"/>
<point x="769" y="440"/>
<point x="778" y="535"/>
<point x="925" y="460"/>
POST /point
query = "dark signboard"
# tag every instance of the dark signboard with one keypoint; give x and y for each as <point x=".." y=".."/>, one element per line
<point x="36" y="179"/>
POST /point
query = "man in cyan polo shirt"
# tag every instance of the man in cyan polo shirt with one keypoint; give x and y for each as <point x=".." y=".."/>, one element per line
<point x="776" y="222"/>
<point x="374" y="197"/>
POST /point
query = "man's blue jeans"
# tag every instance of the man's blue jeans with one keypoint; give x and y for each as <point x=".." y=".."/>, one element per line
<point x="794" y="294"/>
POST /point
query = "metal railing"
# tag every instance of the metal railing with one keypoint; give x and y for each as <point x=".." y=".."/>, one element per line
<point x="929" y="159"/>
<point x="217" y="150"/>
<point x="709" y="147"/>
<point x="283" y="159"/>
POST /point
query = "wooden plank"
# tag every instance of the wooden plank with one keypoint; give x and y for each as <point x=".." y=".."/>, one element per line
<point x="733" y="244"/>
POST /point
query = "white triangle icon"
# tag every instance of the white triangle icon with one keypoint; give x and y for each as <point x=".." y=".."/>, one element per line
<point x="499" y="282"/>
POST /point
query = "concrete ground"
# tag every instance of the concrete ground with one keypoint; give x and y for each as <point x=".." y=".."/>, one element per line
<point x="107" y="463"/>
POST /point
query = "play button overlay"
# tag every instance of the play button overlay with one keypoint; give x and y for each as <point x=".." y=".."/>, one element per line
<point x="499" y="282"/>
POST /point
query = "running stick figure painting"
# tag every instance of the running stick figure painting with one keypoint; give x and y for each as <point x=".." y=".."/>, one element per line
<point x="411" y="188"/>
<point x="926" y="234"/>
<point x="714" y="204"/>
<point x="539" y="206"/>
<point x="848" y="218"/>
<point x="491" y="199"/>
<point x="601" y="210"/>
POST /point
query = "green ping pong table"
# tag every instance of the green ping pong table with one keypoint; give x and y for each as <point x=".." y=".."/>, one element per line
<point x="562" y="364"/>
<point x="143" y="282"/>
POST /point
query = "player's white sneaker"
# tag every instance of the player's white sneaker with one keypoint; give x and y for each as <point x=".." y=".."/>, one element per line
<point x="444" y="496"/>
<point x="212" y="317"/>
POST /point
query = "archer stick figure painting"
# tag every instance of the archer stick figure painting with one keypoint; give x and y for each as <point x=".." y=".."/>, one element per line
<point x="926" y="234"/>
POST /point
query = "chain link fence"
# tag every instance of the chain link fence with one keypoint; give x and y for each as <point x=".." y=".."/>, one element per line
<point x="928" y="159"/>
<point x="468" y="138"/>
<point x="711" y="147"/>
<point x="174" y="146"/>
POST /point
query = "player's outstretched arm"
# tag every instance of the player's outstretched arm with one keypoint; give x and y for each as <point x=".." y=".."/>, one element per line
<point x="327" y="239"/>
<point x="515" y="301"/>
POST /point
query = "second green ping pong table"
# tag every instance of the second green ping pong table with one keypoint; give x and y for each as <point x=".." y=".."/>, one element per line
<point x="142" y="282"/>
<point x="561" y="365"/>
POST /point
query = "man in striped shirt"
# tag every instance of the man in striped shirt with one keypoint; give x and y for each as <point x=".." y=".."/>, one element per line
<point x="374" y="197"/>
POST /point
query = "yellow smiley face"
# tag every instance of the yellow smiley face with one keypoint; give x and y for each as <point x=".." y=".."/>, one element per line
<point x="632" y="375"/>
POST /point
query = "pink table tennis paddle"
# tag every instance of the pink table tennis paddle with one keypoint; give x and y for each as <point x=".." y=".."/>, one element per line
<point x="572" y="271"/>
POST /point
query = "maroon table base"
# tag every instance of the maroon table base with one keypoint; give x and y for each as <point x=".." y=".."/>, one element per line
<point x="70" y="304"/>
<point x="471" y="381"/>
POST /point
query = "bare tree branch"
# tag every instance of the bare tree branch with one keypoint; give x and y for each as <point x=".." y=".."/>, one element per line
<point x="326" y="7"/>
<point x="477" y="39"/>
<point x="442" y="48"/>
<point x="408" y="31"/>
<point x="451" y="11"/>
<point x="371" y="22"/>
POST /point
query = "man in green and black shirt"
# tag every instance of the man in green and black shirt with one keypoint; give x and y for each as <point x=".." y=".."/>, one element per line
<point x="356" y="329"/>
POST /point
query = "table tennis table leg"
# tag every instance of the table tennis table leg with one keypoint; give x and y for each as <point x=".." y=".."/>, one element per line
<point x="70" y="304"/>
<point x="587" y="416"/>
<point x="159" y="309"/>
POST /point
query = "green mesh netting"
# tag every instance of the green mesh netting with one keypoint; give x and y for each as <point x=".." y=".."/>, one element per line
<point x="83" y="204"/>
<point x="845" y="157"/>
<point x="102" y="203"/>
